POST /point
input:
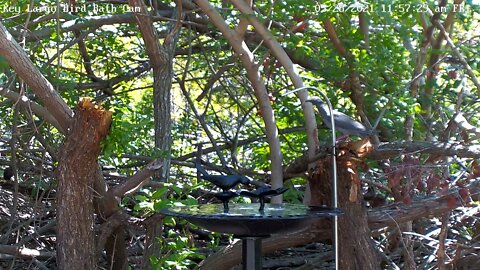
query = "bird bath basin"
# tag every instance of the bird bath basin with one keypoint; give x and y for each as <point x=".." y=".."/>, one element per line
<point x="245" y="221"/>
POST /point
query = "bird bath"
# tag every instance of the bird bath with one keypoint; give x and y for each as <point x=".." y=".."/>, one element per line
<point x="252" y="222"/>
<point x="246" y="222"/>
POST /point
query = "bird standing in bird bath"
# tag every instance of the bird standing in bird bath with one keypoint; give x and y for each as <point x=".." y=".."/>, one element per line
<point x="245" y="221"/>
<point x="343" y="123"/>
<point x="261" y="193"/>
<point x="224" y="182"/>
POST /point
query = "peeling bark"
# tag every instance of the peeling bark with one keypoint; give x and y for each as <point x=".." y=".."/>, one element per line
<point x="76" y="175"/>
<point x="356" y="247"/>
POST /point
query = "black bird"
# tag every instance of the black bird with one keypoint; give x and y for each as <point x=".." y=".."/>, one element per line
<point x="225" y="182"/>
<point x="343" y="123"/>
<point x="225" y="198"/>
<point x="261" y="193"/>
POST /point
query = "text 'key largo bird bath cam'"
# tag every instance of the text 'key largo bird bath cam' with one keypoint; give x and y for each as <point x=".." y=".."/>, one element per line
<point x="251" y="222"/>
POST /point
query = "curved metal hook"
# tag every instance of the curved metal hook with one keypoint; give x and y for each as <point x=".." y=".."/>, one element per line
<point x="334" y="164"/>
<point x="330" y="107"/>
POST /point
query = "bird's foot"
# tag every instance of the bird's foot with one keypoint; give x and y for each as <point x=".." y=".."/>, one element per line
<point x="262" y="204"/>
<point x="225" y="207"/>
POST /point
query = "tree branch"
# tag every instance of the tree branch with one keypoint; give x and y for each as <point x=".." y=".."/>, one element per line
<point x="149" y="35"/>
<point x="96" y="22"/>
<point x="30" y="105"/>
<point x="458" y="54"/>
<point x="136" y="181"/>
<point x="286" y="62"/>
<point x="378" y="218"/>
<point x="24" y="252"/>
<point x="258" y="85"/>
<point x="21" y="63"/>
<point x="394" y="149"/>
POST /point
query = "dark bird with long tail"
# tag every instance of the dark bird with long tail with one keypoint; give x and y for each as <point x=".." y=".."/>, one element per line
<point x="225" y="182"/>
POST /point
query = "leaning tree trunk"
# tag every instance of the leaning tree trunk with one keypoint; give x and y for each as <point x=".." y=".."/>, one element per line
<point x="76" y="173"/>
<point x="356" y="248"/>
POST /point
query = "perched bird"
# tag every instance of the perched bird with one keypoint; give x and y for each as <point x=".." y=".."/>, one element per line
<point x="225" y="197"/>
<point x="263" y="192"/>
<point x="225" y="182"/>
<point x="343" y="123"/>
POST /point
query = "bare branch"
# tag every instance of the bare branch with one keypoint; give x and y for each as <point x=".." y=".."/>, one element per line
<point x="289" y="67"/>
<point x="458" y="54"/>
<point x="258" y="85"/>
<point x="96" y="22"/>
<point x="35" y="107"/>
<point x="332" y="34"/>
<point x="24" y="252"/>
<point x="394" y="149"/>
<point x="136" y="181"/>
<point x="149" y="35"/>
<point x="21" y="63"/>
<point x="397" y="213"/>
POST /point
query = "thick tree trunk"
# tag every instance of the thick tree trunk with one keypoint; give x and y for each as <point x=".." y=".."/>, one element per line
<point x="162" y="86"/>
<point x="161" y="60"/>
<point x="76" y="173"/>
<point x="356" y="247"/>
<point x="154" y="227"/>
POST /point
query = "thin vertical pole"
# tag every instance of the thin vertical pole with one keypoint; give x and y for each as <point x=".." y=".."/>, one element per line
<point x="252" y="253"/>
<point x="334" y="169"/>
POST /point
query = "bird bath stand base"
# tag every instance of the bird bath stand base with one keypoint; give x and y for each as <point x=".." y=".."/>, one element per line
<point x="246" y="222"/>
<point x="252" y="252"/>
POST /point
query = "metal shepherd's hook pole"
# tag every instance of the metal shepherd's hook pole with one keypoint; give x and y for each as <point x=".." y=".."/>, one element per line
<point x="334" y="166"/>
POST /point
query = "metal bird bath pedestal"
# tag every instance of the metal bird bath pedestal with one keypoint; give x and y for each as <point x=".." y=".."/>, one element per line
<point x="247" y="222"/>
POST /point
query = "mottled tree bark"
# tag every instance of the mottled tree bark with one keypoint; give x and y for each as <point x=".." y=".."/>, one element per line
<point x="161" y="60"/>
<point x="154" y="226"/>
<point x="356" y="249"/>
<point x="76" y="173"/>
<point x="162" y="86"/>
